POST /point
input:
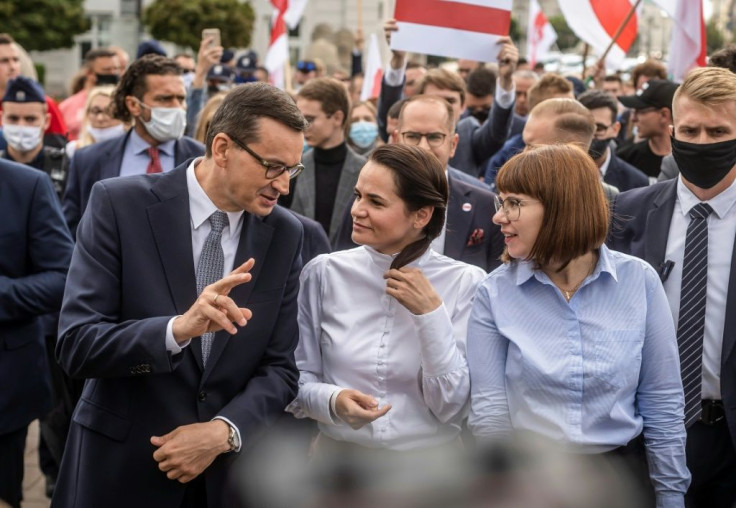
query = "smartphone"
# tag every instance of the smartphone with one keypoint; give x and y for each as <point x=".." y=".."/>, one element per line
<point x="214" y="33"/>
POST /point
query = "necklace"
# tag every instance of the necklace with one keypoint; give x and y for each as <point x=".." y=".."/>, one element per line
<point x="568" y="293"/>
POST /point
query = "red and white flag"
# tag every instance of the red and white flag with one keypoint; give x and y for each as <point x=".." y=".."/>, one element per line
<point x="596" y="22"/>
<point x="294" y="12"/>
<point x="687" y="48"/>
<point x="278" y="48"/>
<point x="373" y="71"/>
<point x="540" y="35"/>
<point x="452" y="28"/>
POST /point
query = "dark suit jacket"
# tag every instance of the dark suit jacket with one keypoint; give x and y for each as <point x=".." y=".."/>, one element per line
<point x="304" y="201"/>
<point x="102" y="160"/>
<point x="469" y="209"/>
<point x="35" y="249"/>
<point x="315" y="239"/>
<point x="623" y="175"/>
<point x="640" y="226"/>
<point x="131" y="272"/>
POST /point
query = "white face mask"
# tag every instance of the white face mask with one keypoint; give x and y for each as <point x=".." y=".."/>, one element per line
<point x="21" y="137"/>
<point x="166" y="123"/>
<point x="106" y="133"/>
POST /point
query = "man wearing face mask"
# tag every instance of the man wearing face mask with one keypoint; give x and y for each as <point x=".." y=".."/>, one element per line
<point x="101" y="67"/>
<point x="25" y="118"/>
<point x="614" y="170"/>
<point x="152" y="94"/>
<point x="685" y="229"/>
<point x="481" y="83"/>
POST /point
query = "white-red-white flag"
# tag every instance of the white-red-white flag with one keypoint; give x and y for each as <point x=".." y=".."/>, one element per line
<point x="373" y="71"/>
<point x="540" y="35"/>
<point x="294" y="12"/>
<point x="278" y="48"/>
<point x="687" y="48"/>
<point x="596" y="22"/>
<point x="452" y="28"/>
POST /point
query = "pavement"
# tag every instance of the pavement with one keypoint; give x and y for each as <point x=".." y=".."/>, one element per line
<point x="34" y="485"/>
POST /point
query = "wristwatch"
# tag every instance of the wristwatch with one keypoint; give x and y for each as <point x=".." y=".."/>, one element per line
<point x="233" y="440"/>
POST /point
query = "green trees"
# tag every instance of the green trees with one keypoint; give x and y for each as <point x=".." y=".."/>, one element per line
<point x="182" y="21"/>
<point x="43" y="24"/>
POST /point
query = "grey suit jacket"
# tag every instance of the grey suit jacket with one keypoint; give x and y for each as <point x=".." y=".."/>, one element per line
<point x="305" y="192"/>
<point x="669" y="169"/>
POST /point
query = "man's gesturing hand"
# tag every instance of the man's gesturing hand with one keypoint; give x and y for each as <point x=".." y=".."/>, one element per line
<point x="214" y="310"/>
<point x="188" y="450"/>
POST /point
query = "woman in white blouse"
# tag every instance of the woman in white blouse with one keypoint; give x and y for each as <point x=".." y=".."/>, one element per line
<point x="382" y="326"/>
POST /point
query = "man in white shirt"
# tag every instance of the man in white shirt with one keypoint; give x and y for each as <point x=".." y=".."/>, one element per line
<point x="685" y="229"/>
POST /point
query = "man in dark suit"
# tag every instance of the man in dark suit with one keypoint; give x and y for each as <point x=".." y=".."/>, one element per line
<point x="469" y="234"/>
<point x="36" y="248"/>
<point x="615" y="170"/>
<point x="167" y="271"/>
<point x="152" y="93"/>
<point x="685" y="228"/>
<point x="331" y="167"/>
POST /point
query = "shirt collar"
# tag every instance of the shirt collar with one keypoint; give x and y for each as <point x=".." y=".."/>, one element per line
<point x="383" y="261"/>
<point x="721" y="204"/>
<point x="605" y="264"/>
<point x="201" y="206"/>
<point x="607" y="162"/>
<point x="140" y="145"/>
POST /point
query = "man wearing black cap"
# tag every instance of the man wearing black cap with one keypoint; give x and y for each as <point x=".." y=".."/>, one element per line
<point x="25" y="118"/>
<point x="652" y="115"/>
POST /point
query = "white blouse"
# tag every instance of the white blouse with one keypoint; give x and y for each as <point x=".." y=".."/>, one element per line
<point x="354" y="336"/>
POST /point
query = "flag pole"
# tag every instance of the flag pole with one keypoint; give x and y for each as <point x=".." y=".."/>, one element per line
<point x="586" y="49"/>
<point x="287" y="76"/>
<point x="620" y="29"/>
<point x="360" y="15"/>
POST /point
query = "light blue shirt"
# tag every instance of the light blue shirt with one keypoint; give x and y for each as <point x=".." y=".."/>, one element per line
<point x="594" y="373"/>
<point x="135" y="157"/>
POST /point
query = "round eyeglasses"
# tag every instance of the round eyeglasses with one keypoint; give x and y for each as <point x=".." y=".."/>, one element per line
<point x="511" y="207"/>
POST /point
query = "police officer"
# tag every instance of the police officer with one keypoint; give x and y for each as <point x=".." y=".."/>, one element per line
<point x="25" y="118"/>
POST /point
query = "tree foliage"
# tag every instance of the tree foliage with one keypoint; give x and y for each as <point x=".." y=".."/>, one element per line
<point x="182" y="21"/>
<point x="43" y="24"/>
<point x="714" y="37"/>
<point x="566" y="38"/>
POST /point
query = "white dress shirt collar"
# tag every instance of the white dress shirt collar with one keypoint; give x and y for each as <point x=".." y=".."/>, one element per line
<point x="383" y="261"/>
<point x="201" y="206"/>
<point x="140" y="145"/>
<point x="721" y="204"/>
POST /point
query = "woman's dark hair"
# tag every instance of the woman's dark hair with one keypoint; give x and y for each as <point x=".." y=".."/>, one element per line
<point x="420" y="181"/>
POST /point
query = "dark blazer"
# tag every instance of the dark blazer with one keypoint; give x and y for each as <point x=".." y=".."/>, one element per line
<point x="469" y="211"/>
<point x="315" y="239"/>
<point x="35" y="250"/>
<point x="623" y="175"/>
<point x="640" y="226"/>
<point x="103" y="160"/>
<point x="304" y="201"/>
<point x="131" y="272"/>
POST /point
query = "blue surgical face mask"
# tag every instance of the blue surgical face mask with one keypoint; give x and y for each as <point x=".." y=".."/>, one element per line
<point x="363" y="134"/>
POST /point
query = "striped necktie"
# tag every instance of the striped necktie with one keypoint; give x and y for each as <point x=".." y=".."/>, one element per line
<point x="691" y="321"/>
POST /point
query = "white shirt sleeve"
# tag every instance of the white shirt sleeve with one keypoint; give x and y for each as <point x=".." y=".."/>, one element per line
<point x="395" y="77"/>
<point x="504" y="98"/>
<point x="171" y="345"/>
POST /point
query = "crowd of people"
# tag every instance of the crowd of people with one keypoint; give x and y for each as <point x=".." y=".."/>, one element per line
<point x="482" y="255"/>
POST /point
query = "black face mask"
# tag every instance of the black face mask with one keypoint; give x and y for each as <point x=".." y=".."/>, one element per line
<point x="704" y="165"/>
<point x="481" y="114"/>
<point x="598" y="147"/>
<point x="107" y="79"/>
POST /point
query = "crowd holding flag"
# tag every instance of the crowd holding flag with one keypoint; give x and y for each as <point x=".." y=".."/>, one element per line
<point x="687" y="49"/>
<point x="373" y="71"/>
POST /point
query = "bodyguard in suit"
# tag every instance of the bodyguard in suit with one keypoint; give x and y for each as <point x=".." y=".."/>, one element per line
<point x="685" y="228"/>
<point x="331" y="167"/>
<point x="469" y="234"/>
<point x="180" y="311"/>
<point x="152" y="93"/>
<point x="36" y="248"/>
<point x="615" y="170"/>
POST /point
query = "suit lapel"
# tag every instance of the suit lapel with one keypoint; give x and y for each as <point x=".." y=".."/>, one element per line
<point x="304" y="202"/>
<point x="345" y="189"/>
<point x="112" y="161"/>
<point x="729" y="330"/>
<point x="255" y="239"/>
<point x="171" y="227"/>
<point x="458" y="222"/>
<point x="657" y="228"/>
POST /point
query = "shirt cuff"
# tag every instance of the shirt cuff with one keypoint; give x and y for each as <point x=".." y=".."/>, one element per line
<point x="237" y="431"/>
<point x="172" y="346"/>
<point x="395" y="77"/>
<point x="333" y="405"/>
<point x="504" y="98"/>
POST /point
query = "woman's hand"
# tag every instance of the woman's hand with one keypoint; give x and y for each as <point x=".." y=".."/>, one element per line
<point x="412" y="289"/>
<point x="357" y="409"/>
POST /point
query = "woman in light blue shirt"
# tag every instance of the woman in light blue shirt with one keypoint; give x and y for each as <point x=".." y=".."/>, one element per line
<point x="568" y="339"/>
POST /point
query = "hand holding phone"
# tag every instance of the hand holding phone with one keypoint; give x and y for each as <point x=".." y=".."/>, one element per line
<point x="214" y="35"/>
